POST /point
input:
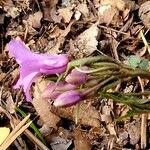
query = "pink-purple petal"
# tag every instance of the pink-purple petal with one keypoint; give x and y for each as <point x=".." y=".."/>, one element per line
<point x="68" y="98"/>
<point x="33" y="64"/>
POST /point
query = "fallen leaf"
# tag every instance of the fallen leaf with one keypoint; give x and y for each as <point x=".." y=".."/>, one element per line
<point x="35" y="19"/>
<point x="119" y="4"/>
<point x="81" y="141"/>
<point x="134" y="132"/>
<point x="49" y="9"/>
<point x="83" y="9"/>
<point x="91" y="118"/>
<point x="12" y="11"/>
<point x="86" y="43"/>
<point x="42" y="106"/>
<point x="111" y="129"/>
<point x="4" y="132"/>
<point x="10" y="105"/>
<point x="106" y="17"/>
<point x="66" y="14"/>
<point x="59" y="143"/>
<point x="144" y="14"/>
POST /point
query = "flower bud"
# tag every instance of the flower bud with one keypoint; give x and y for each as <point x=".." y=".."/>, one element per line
<point x="76" y="77"/>
<point x="68" y="98"/>
<point x="53" y="90"/>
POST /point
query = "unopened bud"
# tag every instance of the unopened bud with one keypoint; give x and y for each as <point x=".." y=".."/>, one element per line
<point x="53" y="90"/>
<point x="76" y="77"/>
<point x="68" y="98"/>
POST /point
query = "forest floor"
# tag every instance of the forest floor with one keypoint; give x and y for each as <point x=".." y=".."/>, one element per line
<point x="78" y="28"/>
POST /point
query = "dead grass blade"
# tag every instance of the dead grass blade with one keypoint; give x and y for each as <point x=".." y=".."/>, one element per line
<point x="15" y="133"/>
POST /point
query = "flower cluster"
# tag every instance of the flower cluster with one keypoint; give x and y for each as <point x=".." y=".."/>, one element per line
<point x="65" y="93"/>
<point x="79" y="82"/>
<point x="33" y="65"/>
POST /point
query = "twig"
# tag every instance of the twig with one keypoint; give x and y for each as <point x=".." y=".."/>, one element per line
<point x="143" y="122"/>
<point x="34" y="139"/>
<point x="145" y="41"/>
<point x="103" y="27"/>
<point x="15" y="133"/>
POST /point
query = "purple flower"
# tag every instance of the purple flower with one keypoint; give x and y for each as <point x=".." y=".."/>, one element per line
<point x="76" y="77"/>
<point x="53" y="90"/>
<point x="68" y="98"/>
<point x="33" y="64"/>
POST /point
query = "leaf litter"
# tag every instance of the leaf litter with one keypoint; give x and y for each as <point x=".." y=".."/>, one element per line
<point x="119" y="29"/>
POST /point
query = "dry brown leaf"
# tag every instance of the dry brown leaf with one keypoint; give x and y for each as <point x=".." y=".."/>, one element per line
<point x="56" y="18"/>
<point x="83" y="9"/>
<point x="55" y="32"/>
<point x="144" y="14"/>
<point x="111" y="129"/>
<point x="91" y="118"/>
<point x="123" y="138"/>
<point x="115" y="7"/>
<point x="59" y="143"/>
<point x="134" y="132"/>
<point x="10" y="105"/>
<point x="106" y="114"/>
<point x="49" y="7"/>
<point x="106" y="17"/>
<point x="12" y="11"/>
<point x="66" y="14"/>
<point x="42" y="106"/>
<point x="2" y="75"/>
<point x="81" y="141"/>
<point x="86" y="43"/>
<point x="119" y="4"/>
<point x="35" y="19"/>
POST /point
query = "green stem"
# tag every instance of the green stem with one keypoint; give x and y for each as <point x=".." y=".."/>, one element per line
<point x="35" y="129"/>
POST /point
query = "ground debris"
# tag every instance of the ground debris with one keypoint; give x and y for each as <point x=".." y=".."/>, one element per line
<point x="116" y="28"/>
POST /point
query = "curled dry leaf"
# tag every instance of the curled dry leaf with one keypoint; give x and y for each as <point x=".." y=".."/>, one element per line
<point x="144" y="14"/>
<point x="10" y="105"/>
<point x="42" y="106"/>
<point x="86" y="43"/>
<point x="35" y="19"/>
<point x="91" y="118"/>
<point x="83" y="9"/>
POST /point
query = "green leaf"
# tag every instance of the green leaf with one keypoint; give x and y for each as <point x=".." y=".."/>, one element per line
<point x="135" y="103"/>
<point x="136" y="61"/>
<point x="144" y="64"/>
<point x="36" y="130"/>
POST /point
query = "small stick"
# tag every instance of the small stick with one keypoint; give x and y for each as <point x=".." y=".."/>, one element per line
<point x="143" y="122"/>
<point x="103" y="27"/>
